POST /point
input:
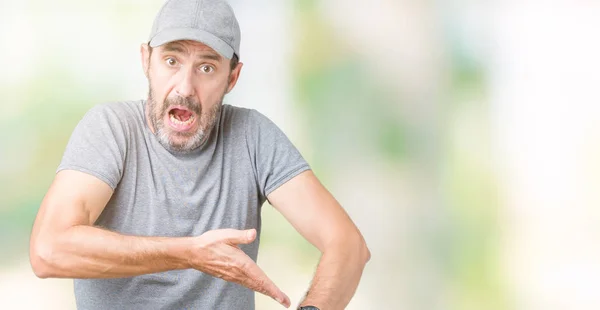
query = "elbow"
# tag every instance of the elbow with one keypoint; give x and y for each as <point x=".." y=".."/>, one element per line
<point x="360" y="247"/>
<point x="365" y="253"/>
<point x="356" y="245"/>
<point x="40" y="258"/>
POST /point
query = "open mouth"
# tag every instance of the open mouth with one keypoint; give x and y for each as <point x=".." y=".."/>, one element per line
<point x="180" y="118"/>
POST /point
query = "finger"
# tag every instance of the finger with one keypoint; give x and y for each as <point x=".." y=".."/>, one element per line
<point x="258" y="281"/>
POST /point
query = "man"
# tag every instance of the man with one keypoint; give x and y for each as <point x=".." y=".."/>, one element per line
<point x="156" y="203"/>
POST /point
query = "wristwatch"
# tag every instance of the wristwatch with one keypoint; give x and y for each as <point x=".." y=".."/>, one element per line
<point x="308" y="308"/>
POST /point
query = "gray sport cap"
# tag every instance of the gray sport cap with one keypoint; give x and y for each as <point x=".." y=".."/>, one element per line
<point x="211" y="22"/>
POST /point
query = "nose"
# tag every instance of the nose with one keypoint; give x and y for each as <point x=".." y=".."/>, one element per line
<point x="185" y="85"/>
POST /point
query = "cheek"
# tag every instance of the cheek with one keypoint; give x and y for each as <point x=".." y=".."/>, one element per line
<point x="213" y="90"/>
<point x="159" y="86"/>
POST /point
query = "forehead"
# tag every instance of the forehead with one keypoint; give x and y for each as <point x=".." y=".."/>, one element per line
<point x="189" y="47"/>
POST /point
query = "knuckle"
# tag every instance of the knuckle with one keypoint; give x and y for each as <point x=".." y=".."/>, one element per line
<point x="243" y="265"/>
<point x="259" y="283"/>
<point x="262" y="285"/>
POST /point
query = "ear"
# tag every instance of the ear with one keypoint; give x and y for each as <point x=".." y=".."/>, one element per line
<point x="233" y="76"/>
<point x="145" y="57"/>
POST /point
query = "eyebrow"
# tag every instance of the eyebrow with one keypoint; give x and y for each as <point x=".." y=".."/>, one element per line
<point x="211" y="56"/>
<point x="173" y="47"/>
<point x="177" y="48"/>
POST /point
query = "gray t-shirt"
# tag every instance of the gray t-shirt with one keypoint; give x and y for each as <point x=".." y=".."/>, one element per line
<point x="222" y="184"/>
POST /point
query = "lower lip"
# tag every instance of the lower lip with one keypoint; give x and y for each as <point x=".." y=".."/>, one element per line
<point x="180" y="127"/>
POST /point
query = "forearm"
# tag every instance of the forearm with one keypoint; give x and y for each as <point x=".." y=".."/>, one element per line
<point x="91" y="252"/>
<point x="337" y="276"/>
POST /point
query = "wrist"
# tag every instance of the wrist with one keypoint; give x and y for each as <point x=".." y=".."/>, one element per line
<point x="309" y="303"/>
<point x="178" y="252"/>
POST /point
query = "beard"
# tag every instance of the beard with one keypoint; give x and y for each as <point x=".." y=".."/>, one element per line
<point x="182" y="142"/>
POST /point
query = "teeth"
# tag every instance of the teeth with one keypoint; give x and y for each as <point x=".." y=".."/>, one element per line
<point x="176" y="121"/>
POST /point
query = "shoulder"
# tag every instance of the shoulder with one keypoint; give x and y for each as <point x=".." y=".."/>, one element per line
<point x="242" y="114"/>
<point x="123" y="112"/>
<point x="115" y="121"/>
<point x="249" y="118"/>
<point x="124" y="115"/>
<point x="239" y="118"/>
<point x="248" y="121"/>
<point x="233" y="114"/>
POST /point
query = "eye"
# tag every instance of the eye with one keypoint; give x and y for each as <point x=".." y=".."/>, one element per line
<point x="207" y="69"/>
<point x="171" y="62"/>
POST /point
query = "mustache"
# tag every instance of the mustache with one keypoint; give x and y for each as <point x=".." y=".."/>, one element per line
<point x="187" y="103"/>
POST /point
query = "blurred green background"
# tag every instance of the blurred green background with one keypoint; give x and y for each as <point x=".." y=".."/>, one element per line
<point x="462" y="137"/>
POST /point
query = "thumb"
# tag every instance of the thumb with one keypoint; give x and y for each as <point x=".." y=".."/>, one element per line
<point x="250" y="234"/>
<point x="240" y="236"/>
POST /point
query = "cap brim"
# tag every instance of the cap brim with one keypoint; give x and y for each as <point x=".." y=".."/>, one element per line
<point x="177" y="34"/>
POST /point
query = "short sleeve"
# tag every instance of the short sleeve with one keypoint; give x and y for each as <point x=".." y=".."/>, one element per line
<point x="97" y="146"/>
<point x="275" y="159"/>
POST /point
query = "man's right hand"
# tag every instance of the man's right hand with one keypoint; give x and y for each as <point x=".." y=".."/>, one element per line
<point x="217" y="253"/>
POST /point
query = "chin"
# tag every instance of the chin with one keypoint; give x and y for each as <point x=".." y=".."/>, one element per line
<point x="186" y="142"/>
